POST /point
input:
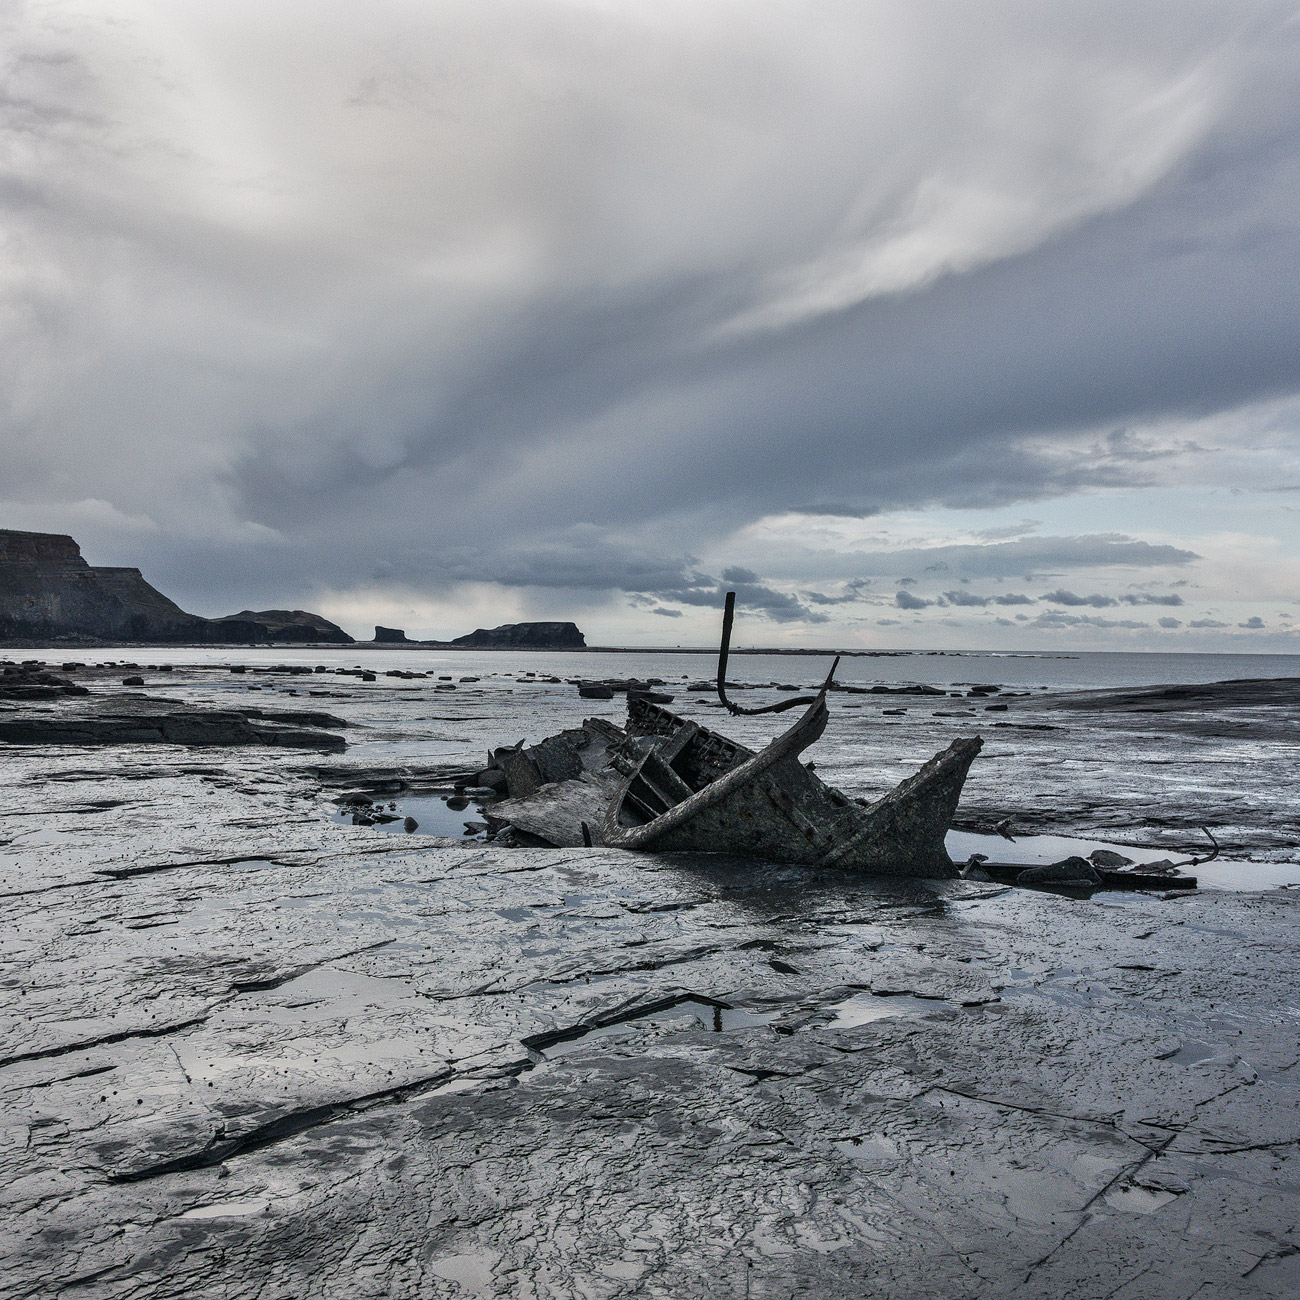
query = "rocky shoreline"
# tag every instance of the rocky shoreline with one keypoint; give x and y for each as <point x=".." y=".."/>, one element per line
<point x="248" y="1049"/>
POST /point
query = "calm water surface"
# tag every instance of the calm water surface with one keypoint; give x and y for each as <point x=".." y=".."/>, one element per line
<point x="1054" y="671"/>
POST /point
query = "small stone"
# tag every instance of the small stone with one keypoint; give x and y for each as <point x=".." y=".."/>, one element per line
<point x="410" y="824"/>
<point x="1108" y="858"/>
<point x="132" y="681"/>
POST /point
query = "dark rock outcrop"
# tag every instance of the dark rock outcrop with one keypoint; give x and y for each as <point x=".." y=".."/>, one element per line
<point x="389" y="635"/>
<point x="286" y="625"/>
<point x="49" y="592"/>
<point x="525" y="636"/>
<point x="31" y="682"/>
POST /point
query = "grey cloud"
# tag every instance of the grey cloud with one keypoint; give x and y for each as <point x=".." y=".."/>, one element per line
<point x="1006" y="532"/>
<point x="853" y="591"/>
<point x="1013" y="598"/>
<point x="1206" y="623"/>
<point x="993" y="560"/>
<point x="431" y="326"/>
<point x="1151" y="598"/>
<point x="667" y="613"/>
<point x="1254" y="623"/>
<point x="1170" y="622"/>
<point x="905" y="600"/>
<point x="965" y="598"/>
<point x="838" y="510"/>
<point x="1062" y="597"/>
<point x="583" y="559"/>
<point x="752" y="597"/>
<point x="1058" y="618"/>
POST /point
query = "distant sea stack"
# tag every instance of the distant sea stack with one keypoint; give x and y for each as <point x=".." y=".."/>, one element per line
<point x="525" y="636"/>
<point x="389" y="635"/>
<point x="49" y="592"/>
<point x="288" y="625"/>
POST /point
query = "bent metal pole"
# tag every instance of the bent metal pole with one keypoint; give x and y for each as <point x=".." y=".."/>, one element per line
<point x="798" y="702"/>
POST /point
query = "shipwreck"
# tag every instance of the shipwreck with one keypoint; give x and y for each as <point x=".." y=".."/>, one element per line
<point x="663" y="784"/>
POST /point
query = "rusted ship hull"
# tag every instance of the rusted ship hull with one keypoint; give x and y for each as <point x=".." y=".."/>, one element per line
<point x="769" y="805"/>
<point x="664" y="785"/>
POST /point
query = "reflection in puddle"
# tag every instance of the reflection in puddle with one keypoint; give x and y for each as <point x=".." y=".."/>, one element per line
<point x="876" y="1152"/>
<point x="1193" y="1051"/>
<point x="863" y="1008"/>
<point x="1136" y="1199"/>
<point x="447" y="815"/>
<point x="471" y="1273"/>
<point x="679" y="1015"/>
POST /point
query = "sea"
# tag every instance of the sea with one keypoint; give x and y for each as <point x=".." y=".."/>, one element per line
<point x="1019" y="669"/>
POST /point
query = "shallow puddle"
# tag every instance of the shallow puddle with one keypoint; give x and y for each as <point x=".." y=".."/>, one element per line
<point x="879" y="1152"/>
<point x="1136" y="1199"/>
<point x="685" y="1014"/>
<point x="863" y="1008"/>
<point x="434" y="814"/>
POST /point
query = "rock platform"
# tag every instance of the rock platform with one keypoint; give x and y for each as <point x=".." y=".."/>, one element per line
<point x="247" y="1051"/>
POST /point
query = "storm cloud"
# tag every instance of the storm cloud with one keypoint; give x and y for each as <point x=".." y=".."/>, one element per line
<point x="556" y="298"/>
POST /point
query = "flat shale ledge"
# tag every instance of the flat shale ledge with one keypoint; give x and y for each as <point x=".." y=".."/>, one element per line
<point x="143" y="720"/>
<point x="312" y="1080"/>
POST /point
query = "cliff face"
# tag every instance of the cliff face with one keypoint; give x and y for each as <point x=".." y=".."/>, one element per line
<point x="525" y="636"/>
<point x="47" y="591"/>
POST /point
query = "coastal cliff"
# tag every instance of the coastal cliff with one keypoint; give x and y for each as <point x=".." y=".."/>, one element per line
<point x="525" y="636"/>
<point x="48" y="591"/>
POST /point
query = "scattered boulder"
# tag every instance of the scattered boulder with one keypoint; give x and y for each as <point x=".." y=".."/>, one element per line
<point x="132" y="681"/>
<point x="1072" y="871"/>
<point x="29" y="682"/>
<point x="651" y="697"/>
<point x="1108" y="858"/>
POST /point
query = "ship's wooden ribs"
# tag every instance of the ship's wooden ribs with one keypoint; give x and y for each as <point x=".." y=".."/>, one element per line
<point x="784" y="804"/>
<point x="642" y="806"/>
<point x="663" y="780"/>
<point x="675" y="744"/>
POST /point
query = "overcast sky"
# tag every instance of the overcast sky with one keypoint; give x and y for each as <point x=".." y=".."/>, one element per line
<point x="926" y="323"/>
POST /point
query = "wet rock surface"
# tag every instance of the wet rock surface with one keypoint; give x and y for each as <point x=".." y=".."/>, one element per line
<point x="142" y="720"/>
<point x="247" y="1051"/>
